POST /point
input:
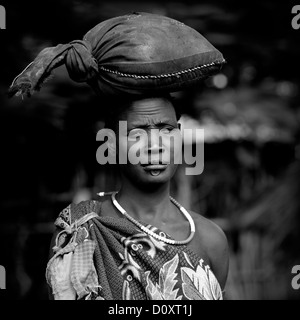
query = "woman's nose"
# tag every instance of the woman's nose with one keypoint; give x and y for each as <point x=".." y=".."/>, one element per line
<point x="155" y="144"/>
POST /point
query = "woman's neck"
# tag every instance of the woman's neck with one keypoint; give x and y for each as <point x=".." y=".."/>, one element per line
<point x="146" y="206"/>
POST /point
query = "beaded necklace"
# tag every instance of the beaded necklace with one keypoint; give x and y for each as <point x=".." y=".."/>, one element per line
<point x="150" y="232"/>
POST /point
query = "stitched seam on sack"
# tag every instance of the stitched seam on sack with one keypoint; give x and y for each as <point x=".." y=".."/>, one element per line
<point x="167" y="75"/>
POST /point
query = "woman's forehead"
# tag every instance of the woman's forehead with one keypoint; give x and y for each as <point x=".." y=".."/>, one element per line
<point x="150" y="108"/>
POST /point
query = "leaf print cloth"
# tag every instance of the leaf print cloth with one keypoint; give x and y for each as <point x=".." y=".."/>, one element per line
<point x="110" y="258"/>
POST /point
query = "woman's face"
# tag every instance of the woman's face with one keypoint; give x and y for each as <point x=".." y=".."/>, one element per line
<point x="152" y="142"/>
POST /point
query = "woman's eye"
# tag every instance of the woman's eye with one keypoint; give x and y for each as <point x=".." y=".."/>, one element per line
<point x="135" y="133"/>
<point x="166" y="130"/>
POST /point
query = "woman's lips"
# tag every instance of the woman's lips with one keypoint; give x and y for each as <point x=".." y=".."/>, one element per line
<point x="151" y="167"/>
<point x="154" y="169"/>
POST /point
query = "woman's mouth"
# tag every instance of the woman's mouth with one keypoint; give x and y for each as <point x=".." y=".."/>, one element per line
<point x="155" y="169"/>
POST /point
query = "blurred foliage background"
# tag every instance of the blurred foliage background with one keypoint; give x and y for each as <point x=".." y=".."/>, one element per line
<point x="250" y="113"/>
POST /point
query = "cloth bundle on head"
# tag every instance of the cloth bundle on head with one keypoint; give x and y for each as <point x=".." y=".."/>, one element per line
<point x="138" y="53"/>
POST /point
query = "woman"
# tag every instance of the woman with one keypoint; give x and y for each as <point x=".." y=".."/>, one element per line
<point x="139" y="243"/>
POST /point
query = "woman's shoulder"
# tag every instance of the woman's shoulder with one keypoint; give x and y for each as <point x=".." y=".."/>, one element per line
<point x="215" y="243"/>
<point x="75" y="211"/>
<point x="205" y="224"/>
<point x="210" y="232"/>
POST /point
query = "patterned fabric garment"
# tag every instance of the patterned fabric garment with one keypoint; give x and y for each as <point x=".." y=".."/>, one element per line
<point x="100" y="257"/>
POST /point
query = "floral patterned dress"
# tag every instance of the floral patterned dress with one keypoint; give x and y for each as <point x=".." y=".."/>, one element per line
<point x="103" y="257"/>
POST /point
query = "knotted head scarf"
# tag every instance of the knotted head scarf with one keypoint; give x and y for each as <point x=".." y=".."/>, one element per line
<point x="138" y="53"/>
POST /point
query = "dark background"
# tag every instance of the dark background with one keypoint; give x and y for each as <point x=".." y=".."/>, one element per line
<point x="250" y="113"/>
